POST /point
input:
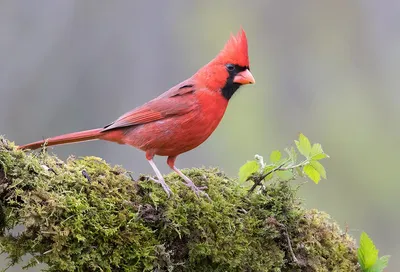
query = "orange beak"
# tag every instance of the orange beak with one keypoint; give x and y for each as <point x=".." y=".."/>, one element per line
<point x="244" y="77"/>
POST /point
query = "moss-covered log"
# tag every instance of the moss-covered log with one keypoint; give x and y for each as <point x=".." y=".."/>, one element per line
<point x="84" y="215"/>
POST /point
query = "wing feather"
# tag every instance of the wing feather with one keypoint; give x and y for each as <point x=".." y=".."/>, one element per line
<point x="176" y="101"/>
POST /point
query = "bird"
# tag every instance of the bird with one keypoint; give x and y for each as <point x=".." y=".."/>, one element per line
<point x="179" y="119"/>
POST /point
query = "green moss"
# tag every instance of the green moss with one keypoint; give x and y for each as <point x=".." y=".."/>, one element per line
<point x="83" y="215"/>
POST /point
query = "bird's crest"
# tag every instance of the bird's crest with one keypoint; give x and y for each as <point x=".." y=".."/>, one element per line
<point x="235" y="50"/>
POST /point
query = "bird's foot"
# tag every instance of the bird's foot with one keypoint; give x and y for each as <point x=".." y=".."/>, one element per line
<point x="163" y="184"/>
<point x="195" y="189"/>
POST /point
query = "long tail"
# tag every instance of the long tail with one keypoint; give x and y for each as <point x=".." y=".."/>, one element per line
<point x="69" y="138"/>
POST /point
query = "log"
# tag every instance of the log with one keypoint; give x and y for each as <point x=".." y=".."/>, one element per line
<point x="84" y="215"/>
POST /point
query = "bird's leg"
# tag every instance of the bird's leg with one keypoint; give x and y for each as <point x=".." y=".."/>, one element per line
<point x="160" y="178"/>
<point x="189" y="182"/>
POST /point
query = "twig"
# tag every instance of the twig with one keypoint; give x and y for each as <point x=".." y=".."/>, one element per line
<point x="273" y="221"/>
<point x="259" y="179"/>
<point x="285" y="232"/>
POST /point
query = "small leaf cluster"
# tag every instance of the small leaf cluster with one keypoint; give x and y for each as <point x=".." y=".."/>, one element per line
<point x="285" y="168"/>
<point x="368" y="256"/>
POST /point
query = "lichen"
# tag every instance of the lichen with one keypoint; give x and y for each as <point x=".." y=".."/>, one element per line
<point x="84" y="215"/>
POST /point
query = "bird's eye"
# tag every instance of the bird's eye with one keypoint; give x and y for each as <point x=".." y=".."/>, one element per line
<point x="230" y="67"/>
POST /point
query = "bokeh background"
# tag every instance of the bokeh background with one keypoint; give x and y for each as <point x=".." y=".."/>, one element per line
<point x="328" y="69"/>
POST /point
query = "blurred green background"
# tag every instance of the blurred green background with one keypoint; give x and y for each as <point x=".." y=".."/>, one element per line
<point x="328" y="69"/>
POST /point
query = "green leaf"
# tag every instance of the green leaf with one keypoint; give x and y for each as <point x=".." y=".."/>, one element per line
<point x="317" y="153"/>
<point x="267" y="169"/>
<point x="303" y="145"/>
<point x="316" y="149"/>
<point x="367" y="252"/>
<point x="247" y="170"/>
<point x="380" y="264"/>
<point x="319" y="167"/>
<point x="275" y="156"/>
<point x="319" y="157"/>
<point x="285" y="175"/>
<point x="312" y="173"/>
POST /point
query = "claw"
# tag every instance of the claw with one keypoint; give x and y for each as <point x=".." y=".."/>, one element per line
<point x="197" y="190"/>
<point x="163" y="184"/>
<point x="189" y="183"/>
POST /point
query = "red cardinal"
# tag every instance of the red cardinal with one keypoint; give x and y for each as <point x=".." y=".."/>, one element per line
<point x="181" y="118"/>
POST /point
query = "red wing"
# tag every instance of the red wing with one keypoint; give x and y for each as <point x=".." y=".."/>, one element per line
<point x="177" y="101"/>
